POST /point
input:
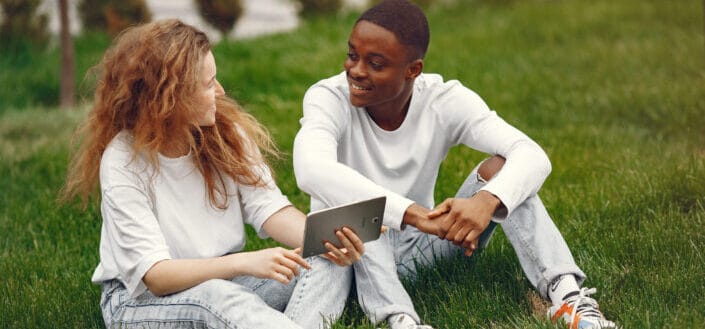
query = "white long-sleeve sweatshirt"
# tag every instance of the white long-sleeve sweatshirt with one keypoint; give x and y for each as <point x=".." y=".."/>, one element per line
<point x="341" y="155"/>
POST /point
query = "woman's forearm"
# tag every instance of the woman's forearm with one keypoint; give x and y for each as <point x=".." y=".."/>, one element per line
<point x="174" y="275"/>
<point x="287" y="226"/>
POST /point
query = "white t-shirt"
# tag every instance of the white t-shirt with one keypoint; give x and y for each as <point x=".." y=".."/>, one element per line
<point x="341" y="155"/>
<point x="148" y="218"/>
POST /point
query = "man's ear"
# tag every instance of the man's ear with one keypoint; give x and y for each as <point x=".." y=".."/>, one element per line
<point x="414" y="69"/>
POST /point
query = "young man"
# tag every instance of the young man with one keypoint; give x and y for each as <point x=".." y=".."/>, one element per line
<point x="383" y="127"/>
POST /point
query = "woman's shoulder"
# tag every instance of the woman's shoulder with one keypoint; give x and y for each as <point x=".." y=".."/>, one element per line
<point x="119" y="159"/>
<point x="119" y="148"/>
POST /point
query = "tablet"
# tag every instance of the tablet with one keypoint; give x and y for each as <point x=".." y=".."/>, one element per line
<point x="363" y="217"/>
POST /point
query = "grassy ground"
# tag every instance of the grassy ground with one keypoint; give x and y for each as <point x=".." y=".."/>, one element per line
<point x="613" y="90"/>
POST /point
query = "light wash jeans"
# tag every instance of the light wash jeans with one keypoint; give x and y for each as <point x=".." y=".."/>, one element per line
<point x="243" y="302"/>
<point x="379" y="288"/>
<point x="543" y="253"/>
<point x="541" y="249"/>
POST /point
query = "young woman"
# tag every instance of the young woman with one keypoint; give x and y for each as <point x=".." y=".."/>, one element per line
<point x="180" y="173"/>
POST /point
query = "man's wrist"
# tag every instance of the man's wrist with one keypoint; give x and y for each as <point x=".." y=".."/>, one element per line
<point x="412" y="215"/>
<point x="492" y="200"/>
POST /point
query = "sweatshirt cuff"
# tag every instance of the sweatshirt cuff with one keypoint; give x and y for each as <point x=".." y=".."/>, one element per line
<point x="506" y="205"/>
<point x="394" y="211"/>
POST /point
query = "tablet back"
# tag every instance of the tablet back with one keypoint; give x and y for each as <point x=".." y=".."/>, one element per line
<point x="363" y="217"/>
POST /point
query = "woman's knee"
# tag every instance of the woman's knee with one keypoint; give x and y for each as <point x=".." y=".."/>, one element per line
<point x="491" y="167"/>
<point x="203" y="304"/>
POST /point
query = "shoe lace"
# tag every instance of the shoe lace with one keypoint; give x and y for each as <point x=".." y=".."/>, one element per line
<point x="584" y="305"/>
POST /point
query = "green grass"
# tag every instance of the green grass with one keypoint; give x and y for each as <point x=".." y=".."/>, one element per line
<point x="613" y="90"/>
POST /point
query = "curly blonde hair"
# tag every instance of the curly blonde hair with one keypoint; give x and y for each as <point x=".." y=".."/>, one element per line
<point x="145" y="85"/>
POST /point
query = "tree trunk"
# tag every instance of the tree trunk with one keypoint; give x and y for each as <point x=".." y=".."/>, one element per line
<point x="67" y="66"/>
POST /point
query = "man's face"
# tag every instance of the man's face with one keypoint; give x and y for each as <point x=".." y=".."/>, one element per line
<point x="377" y="67"/>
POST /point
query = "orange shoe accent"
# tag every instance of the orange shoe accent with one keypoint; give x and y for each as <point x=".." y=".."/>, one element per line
<point x="576" y="322"/>
<point x="565" y="308"/>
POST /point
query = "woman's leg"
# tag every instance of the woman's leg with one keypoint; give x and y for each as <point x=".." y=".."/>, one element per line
<point x="211" y="304"/>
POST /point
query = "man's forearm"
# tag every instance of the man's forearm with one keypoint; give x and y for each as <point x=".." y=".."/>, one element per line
<point x="417" y="216"/>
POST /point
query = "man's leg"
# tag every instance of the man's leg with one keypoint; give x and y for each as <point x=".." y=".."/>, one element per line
<point x="379" y="289"/>
<point x="546" y="258"/>
<point x="414" y="248"/>
<point x="542" y="252"/>
<point x="540" y="247"/>
<point x="320" y="294"/>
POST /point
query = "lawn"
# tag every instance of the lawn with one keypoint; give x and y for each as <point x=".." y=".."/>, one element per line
<point x="613" y="90"/>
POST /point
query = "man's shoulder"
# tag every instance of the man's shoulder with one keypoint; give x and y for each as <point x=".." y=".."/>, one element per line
<point x="328" y="93"/>
<point x="434" y="88"/>
<point x="337" y="83"/>
<point x="436" y="82"/>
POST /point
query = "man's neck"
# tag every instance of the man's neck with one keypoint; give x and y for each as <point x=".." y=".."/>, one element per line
<point x="391" y="116"/>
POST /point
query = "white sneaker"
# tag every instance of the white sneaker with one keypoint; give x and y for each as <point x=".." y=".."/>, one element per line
<point x="404" y="321"/>
<point x="580" y="312"/>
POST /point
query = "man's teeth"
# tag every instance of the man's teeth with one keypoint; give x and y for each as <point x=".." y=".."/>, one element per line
<point x="358" y="87"/>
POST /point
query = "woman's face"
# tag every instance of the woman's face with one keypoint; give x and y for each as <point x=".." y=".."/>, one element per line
<point x="207" y="90"/>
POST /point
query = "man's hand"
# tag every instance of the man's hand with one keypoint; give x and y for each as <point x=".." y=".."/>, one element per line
<point x="463" y="220"/>
<point x="417" y="216"/>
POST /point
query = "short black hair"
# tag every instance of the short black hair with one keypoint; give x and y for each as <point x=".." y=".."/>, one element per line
<point x="403" y="18"/>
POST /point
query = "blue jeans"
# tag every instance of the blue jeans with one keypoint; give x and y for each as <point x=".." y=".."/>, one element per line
<point x="543" y="253"/>
<point x="243" y="302"/>
<point x="541" y="249"/>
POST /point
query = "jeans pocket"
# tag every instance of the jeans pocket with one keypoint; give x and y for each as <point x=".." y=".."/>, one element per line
<point x="112" y="296"/>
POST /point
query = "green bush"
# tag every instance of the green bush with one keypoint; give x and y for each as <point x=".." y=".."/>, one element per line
<point x="221" y="14"/>
<point x="113" y="16"/>
<point x="320" y="7"/>
<point x="22" y="23"/>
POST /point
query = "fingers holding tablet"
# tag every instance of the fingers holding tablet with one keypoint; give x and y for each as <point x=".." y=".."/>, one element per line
<point x="351" y="251"/>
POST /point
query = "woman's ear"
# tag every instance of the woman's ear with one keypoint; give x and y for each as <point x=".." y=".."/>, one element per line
<point x="414" y="69"/>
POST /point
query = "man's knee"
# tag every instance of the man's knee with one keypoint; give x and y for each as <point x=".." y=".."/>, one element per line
<point x="491" y="167"/>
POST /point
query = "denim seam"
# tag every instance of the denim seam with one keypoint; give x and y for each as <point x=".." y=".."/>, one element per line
<point x="182" y="302"/>
<point x="161" y="321"/>
<point x="259" y="285"/>
<point x="364" y="269"/>
<point x="527" y="250"/>
<point x="296" y="309"/>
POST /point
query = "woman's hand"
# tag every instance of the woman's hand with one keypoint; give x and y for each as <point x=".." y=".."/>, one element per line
<point x="277" y="263"/>
<point x="352" y="249"/>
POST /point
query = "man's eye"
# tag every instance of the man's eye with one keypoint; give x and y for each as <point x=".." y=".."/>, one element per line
<point x="376" y="65"/>
<point x="352" y="56"/>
